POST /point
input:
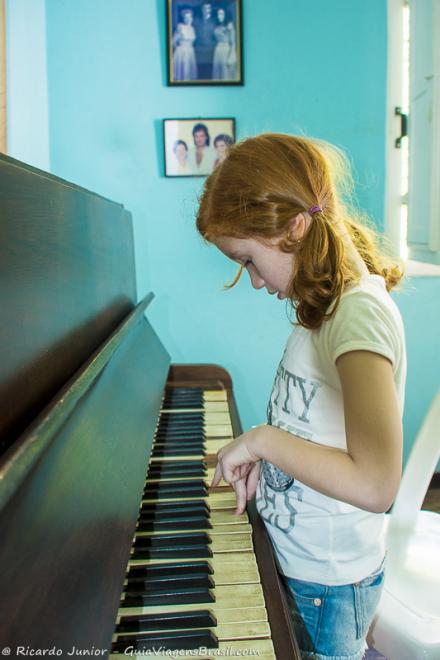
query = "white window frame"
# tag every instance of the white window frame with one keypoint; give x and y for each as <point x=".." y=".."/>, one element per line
<point x="393" y="197"/>
<point x="424" y="261"/>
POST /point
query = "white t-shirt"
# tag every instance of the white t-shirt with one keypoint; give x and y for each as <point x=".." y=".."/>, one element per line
<point x="318" y="538"/>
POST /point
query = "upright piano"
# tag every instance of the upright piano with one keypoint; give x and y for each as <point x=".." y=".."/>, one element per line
<point x="112" y="543"/>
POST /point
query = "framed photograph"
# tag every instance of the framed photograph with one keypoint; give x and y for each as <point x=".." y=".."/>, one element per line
<point x="204" y="42"/>
<point x="195" y="147"/>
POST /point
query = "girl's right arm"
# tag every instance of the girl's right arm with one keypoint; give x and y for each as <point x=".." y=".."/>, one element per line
<point x="367" y="475"/>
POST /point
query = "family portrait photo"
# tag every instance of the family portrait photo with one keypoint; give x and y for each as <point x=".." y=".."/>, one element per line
<point x="195" y="147"/>
<point x="204" y="42"/>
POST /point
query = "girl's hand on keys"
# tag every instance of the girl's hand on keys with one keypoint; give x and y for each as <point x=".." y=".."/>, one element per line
<point x="239" y="466"/>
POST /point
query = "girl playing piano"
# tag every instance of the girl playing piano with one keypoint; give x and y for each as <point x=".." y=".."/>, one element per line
<point x="327" y="464"/>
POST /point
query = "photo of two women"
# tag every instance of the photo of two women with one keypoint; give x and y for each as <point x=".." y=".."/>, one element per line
<point x="204" y="41"/>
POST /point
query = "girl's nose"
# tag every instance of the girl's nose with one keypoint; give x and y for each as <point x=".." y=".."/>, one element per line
<point x="256" y="281"/>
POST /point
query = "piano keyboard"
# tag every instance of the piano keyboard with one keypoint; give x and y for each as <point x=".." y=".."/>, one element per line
<point x="192" y="581"/>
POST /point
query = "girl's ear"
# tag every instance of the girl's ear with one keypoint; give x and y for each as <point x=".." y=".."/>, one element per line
<point x="298" y="227"/>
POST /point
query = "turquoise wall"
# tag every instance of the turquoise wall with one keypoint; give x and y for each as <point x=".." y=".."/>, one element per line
<point x="26" y="76"/>
<point x="419" y="302"/>
<point x="311" y="66"/>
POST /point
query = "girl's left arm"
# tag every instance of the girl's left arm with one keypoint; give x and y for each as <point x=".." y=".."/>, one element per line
<point x="367" y="475"/>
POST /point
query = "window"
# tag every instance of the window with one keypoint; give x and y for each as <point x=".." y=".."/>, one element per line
<point x="412" y="204"/>
<point x="424" y="127"/>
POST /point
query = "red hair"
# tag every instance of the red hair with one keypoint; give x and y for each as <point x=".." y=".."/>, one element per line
<point x="268" y="180"/>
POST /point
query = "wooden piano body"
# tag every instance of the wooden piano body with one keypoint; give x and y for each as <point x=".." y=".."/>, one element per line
<point x="82" y="375"/>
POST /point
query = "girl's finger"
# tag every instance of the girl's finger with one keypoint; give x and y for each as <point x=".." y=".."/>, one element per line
<point x="244" y="469"/>
<point x="240" y="494"/>
<point x="239" y="472"/>
<point x="252" y="480"/>
<point x="217" y="476"/>
<point x="230" y="475"/>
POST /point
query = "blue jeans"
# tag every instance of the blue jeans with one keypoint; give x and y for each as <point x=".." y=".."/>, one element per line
<point x="331" y="623"/>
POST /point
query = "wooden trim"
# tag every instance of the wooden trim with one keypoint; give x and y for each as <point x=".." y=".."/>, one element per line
<point x="205" y="375"/>
<point x="3" y="145"/>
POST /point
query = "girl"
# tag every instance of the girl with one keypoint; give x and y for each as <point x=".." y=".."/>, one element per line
<point x="327" y="464"/>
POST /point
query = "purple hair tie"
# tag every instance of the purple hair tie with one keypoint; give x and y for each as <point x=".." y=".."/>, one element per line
<point x="314" y="209"/>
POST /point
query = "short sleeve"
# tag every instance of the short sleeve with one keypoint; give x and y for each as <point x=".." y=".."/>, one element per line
<point x="366" y="322"/>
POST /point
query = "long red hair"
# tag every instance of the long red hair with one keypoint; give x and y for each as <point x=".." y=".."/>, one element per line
<point x="268" y="180"/>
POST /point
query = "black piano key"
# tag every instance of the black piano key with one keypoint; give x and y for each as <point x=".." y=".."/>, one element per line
<point x="183" y="403"/>
<point x="172" y="444"/>
<point x="184" y="394"/>
<point x="180" y="420"/>
<point x="181" y="424"/>
<point x="168" y="621"/>
<point x="192" y="472"/>
<point x="180" y="514"/>
<point x="165" y="540"/>
<point x="177" y="401"/>
<point x="179" y="430"/>
<point x="190" y="403"/>
<point x="183" y="413"/>
<point x="173" y="493"/>
<point x="184" y="432"/>
<point x="176" y="489"/>
<point x="196" y="417"/>
<point x="156" y="642"/>
<point x="177" y="524"/>
<point x="174" y="545"/>
<point x="181" y="417"/>
<point x="191" y="393"/>
<point x="187" y="450"/>
<point x="185" y="596"/>
<point x="180" y="389"/>
<point x="188" y="441"/>
<point x="172" y="508"/>
<point x="188" y="552"/>
<point x="162" y="472"/>
<point x="179" y="440"/>
<point x="179" y="433"/>
<point x="171" y="482"/>
<point x="166" y="585"/>
<point x="152" y="515"/>
<point x="177" y="484"/>
<point x="157" y="571"/>
<point x="177" y="466"/>
<point x="161" y="580"/>
<point x="161" y="546"/>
